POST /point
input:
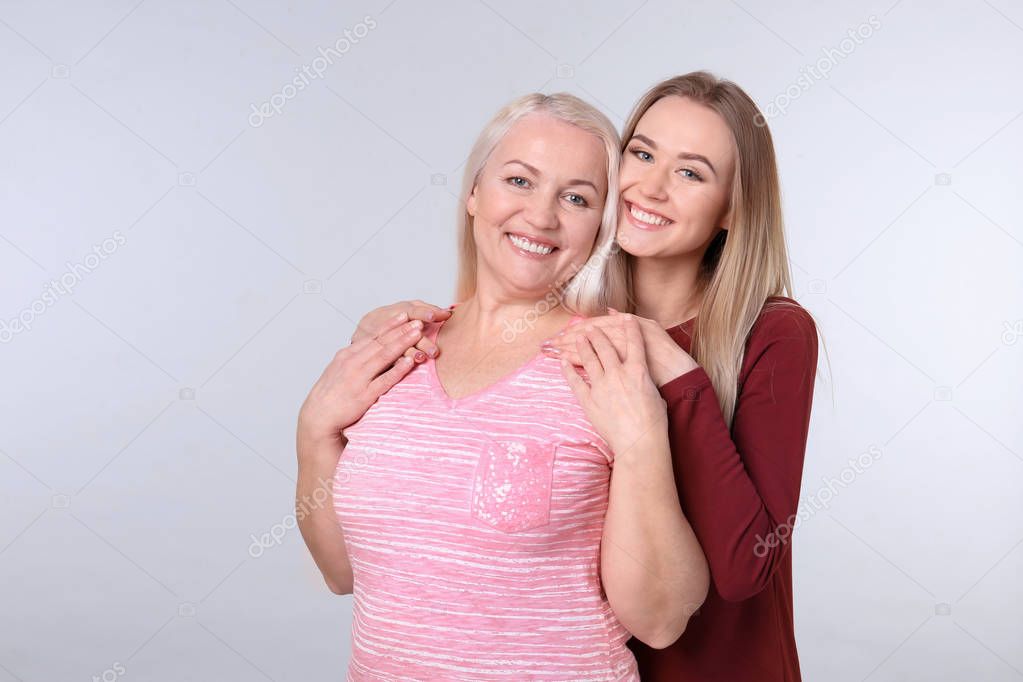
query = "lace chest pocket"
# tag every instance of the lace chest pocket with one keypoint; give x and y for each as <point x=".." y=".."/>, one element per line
<point x="512" y="485"/>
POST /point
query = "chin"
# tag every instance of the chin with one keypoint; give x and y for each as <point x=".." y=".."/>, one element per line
<point x="639" y="243"/>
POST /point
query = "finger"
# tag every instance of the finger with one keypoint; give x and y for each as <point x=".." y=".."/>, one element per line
<point x="366" y="333"/>
<point x="395" y="329"/>
<point x="635" y="347"/>
<point x="368" y="329"/>
<point x="575" y="382"/>
<point x="429" y="347"/>
<point x="569" y="353"/>
<point x="427" y="312"/>
<point x="590" y="361"/>
<point x="417" y="356"/>
<point x="567" y="338"/>
<point x="606" y="350"/>
<point x="389" y="347"/>
<point x="599" y="322"/>
<point x="383" y="383"/>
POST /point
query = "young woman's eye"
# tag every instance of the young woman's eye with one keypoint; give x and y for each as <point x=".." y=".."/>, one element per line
<point x="691" y="174"/>
<point x="641" y="155"/>
<point x="577" y="200"/>
<point x="519" y="181"/>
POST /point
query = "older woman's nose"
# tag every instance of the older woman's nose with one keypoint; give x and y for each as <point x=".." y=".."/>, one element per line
<point x="542" y="214"/>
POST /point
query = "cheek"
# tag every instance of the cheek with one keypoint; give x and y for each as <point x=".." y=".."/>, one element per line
<point x="495" y="205"/>
<point x="581" y="230"/>
<point x="697" y="205"/>
<point x="627" y="174"/>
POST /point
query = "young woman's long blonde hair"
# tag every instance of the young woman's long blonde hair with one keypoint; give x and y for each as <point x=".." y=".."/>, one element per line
<point x="746" y="264"/>
<point x="598" y="283"/>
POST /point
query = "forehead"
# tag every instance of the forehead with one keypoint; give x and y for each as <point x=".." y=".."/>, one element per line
<point x="555" y="148"/>
<point x="677" y="124"/>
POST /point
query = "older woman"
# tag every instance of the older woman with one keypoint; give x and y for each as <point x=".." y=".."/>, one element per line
<point x="476" y="523"/>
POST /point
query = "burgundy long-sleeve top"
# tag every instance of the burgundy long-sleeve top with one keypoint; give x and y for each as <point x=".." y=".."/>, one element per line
<point x="739" y="489"/>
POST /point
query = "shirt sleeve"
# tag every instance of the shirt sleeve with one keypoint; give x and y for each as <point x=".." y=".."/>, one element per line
<point x="740" y="489"/>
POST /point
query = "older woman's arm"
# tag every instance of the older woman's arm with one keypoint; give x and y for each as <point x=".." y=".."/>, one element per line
<point x="652" y="567"/>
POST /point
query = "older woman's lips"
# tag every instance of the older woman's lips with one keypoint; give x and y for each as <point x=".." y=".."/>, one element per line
<point x="529" y="249"/>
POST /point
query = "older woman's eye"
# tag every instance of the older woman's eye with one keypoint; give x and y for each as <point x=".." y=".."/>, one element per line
<point x="519" y="181"/>
<point x="577" y="200"/>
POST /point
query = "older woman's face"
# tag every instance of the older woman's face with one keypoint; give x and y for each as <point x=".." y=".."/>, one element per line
<point x="537" y="206"/>
<point x="675" y="180"/>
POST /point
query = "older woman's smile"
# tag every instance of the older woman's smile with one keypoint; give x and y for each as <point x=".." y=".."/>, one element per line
<point x="530" y="247"/>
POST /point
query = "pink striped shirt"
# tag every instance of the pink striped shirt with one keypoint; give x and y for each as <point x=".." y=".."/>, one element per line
<point x="473" y="526"/>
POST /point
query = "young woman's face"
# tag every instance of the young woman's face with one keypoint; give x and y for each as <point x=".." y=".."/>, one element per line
<point x="537" y="205"/>
<point x="676" y="180"/>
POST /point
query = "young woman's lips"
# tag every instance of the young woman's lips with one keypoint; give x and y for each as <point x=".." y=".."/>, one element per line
<point x="643" y="223"/>
<point x="521" y="249"/>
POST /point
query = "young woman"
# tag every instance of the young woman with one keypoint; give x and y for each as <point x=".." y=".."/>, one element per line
<point x="476" y="523"/>
<point x="733" y="356"/>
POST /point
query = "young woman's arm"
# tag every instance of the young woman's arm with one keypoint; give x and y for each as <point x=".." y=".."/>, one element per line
<point x="318" y="522"/>
<point x="741" y="487"/>
<point x="652" y="569"/>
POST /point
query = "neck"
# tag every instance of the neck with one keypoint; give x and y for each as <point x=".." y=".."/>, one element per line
<point x="487" y="315"/>
<point x="666" y="288"/>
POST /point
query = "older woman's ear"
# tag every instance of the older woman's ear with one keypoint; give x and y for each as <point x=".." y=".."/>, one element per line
<point x="470" y="202"/>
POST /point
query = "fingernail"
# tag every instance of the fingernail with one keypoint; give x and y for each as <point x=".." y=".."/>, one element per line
<point x="429" y="316"/>
<point x="420" y="356"/>
<point x="432" y="352"/>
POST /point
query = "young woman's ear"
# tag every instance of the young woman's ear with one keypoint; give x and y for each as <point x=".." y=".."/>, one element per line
<point x="726" y="221"/>
<point x="470" y="202"/>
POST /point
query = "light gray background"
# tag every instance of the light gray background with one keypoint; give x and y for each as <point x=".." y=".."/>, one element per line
<point x="148" y="417"/>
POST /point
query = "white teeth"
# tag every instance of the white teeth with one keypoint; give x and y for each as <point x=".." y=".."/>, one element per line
<point x="527" y="245"/>
<point x="648" y="218"/>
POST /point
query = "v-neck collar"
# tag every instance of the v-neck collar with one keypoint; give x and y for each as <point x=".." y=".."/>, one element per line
<point x="434" y="378"/>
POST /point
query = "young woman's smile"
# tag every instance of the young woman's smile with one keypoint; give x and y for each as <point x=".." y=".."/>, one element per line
<point x="644" y="218"/>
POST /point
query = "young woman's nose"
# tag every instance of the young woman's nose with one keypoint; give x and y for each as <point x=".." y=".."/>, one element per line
<point x="651" y="185"/>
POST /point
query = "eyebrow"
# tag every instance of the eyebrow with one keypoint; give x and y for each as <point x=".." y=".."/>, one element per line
<point x="682" y="155"/>
<point x="536" y="171"/>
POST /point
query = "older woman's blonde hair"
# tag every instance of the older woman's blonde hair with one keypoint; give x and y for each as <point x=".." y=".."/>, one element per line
<point x="600" y="282"/>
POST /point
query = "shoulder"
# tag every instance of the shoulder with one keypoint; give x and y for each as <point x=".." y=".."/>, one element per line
<point x="783" y="317"/>
<point x="783" y="332"/>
